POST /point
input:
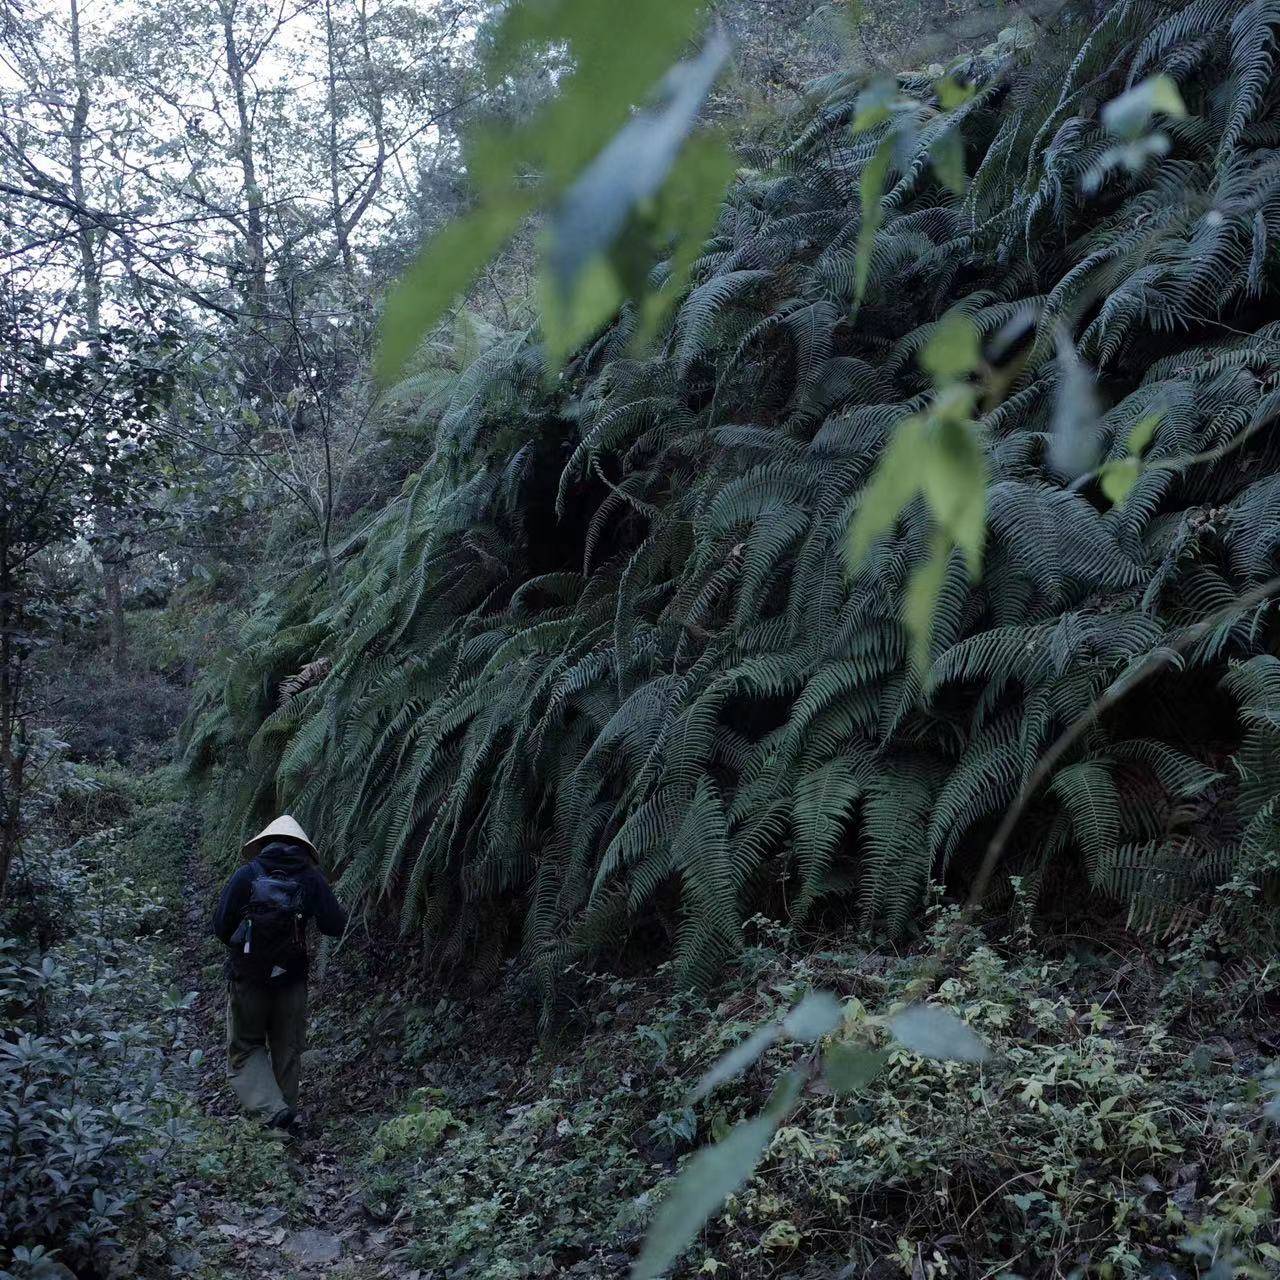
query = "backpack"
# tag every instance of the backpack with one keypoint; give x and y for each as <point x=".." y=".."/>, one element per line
<point x="269" y="940"/>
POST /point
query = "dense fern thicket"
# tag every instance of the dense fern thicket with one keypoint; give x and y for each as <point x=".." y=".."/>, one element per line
<point x="601" y="663"/>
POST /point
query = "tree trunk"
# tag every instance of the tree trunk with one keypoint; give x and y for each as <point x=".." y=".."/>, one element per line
<point x="254" y="238"/>
<point x="12" y="757"/>
<point x="13" y="764"/>
<point x="117" y="628"/>
<point x="373" y="91"/>
<point x="86" y="234"/>
<point x="340" y="229"/>
<point x="91" y="271"/>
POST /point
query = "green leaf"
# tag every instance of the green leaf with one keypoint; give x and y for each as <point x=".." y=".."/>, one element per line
<point x="1143" y="432"/>
<point x="631" y="169"/>
<point x="471" y="336"/>
<point x="871" y="190"/>
<point x="895" y="482"/>
<point x="523" y="25"/>
<point x="1132" y="156"/>
<point x="953" y="473"/>
<point x="874" y="104"/>
<point x="947" y="153"/>
<point x="686" y="212"/>
<point x="953" y="350"/>
<point x="1128" y="115"/>
<point x="953" y="93"/>
<point x="817" y="1015"/>
<point x="447" y="265"/>
<point x="1087" y="792"/>
<point x="619" y="53"/>
<point x="1073" y="443"/>
<point x="1118" y="478"/>
<point x="848" y="1068"/>
<point x="920" y="602"/>
<point x="567" y="321"/>
<point x="933" y="1032"/>
<point x="707" y="1179"/>
<point x="737" y="1060"/>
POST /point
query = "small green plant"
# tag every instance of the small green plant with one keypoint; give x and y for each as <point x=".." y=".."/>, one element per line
<point x="240" y="1158"/>
<point x="430" y="1031"/>
<point x="419" y="1128"/>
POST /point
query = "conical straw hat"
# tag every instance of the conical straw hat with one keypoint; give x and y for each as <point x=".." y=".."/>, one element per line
<point x="283" y="828"/>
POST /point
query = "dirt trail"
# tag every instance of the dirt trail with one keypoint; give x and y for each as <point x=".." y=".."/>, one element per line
<point x="317" y="1222"/>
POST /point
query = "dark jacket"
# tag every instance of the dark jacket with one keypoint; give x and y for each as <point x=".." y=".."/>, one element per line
<point x="281" y="858"/>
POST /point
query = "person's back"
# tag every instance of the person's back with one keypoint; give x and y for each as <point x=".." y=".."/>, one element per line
<point x="262" y="916"/>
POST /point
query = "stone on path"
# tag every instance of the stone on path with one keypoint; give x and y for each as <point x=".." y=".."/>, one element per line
<point x="313" y="1248"/>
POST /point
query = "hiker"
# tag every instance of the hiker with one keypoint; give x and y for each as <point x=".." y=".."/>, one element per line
<point x="262" y="917"/>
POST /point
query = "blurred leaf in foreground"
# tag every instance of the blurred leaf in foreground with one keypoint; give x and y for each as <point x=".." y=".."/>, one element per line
<point x="848" y="1068"/>
<point x="708" y="1178"/>
<point x="1129" y="115"/>
<point x="936" y="1033"/>
<point x="601" y="169"/>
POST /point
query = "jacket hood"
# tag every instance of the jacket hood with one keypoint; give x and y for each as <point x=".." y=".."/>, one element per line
<point x="284" y="855"/>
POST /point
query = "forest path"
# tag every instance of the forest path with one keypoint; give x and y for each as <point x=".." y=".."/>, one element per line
<point x="287" y="1206"/>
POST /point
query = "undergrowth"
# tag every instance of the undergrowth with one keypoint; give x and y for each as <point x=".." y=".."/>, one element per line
<point x="1119" y="1129"/>
<point x="89" y="1117"/>
<point x="103" y="1157"/>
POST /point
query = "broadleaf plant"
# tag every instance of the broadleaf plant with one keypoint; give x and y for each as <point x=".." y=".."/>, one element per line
<point x="600" y="171"/>
<point x="715" y="1172"/>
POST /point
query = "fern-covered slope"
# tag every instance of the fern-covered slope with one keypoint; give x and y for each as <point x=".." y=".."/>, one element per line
<point x="601" y="662"/>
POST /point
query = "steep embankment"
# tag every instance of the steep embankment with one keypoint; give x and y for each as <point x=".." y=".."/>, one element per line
<point x="1118" y="1126"/>
<point x="601" y="667"/>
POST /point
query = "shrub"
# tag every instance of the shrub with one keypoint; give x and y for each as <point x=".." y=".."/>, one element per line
<point x="87" y="1118"/>
<point x="1111" y="1129"/>
<point x="132" y="718"/>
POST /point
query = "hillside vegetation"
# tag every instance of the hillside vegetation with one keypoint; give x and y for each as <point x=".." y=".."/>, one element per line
<point x="602" y="666"/>
<point x="764" y="599"/>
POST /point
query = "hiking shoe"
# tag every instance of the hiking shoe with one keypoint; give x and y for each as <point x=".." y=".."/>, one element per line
<point x="282" y="1118"/>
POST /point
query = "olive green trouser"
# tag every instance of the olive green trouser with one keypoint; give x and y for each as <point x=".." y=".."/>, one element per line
<point x="266" y="1034"/>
